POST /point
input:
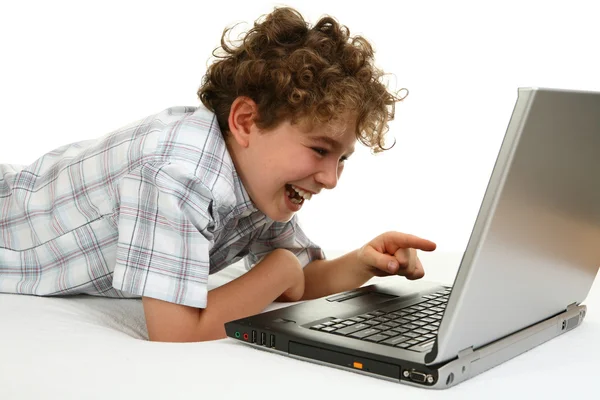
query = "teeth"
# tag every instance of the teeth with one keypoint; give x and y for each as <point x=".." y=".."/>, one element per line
<point x="302" y="193"/>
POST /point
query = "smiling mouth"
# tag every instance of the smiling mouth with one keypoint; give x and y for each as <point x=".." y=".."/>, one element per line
<point x="297" y="195"/>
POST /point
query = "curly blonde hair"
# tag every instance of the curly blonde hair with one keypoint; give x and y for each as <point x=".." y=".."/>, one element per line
<point x="296" y="72"/>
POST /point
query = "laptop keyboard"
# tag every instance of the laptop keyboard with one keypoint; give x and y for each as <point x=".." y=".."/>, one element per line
<point x="414" y="327"/>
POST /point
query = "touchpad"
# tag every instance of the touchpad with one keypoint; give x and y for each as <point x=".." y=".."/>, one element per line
<point x="368" y="298"/>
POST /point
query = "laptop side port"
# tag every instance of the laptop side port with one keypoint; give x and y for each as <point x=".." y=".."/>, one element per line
<point x="253" y="336"/>
<point x="272" y="341"/>
<point x="263" y="338"/>
<point x="418" y="377"/>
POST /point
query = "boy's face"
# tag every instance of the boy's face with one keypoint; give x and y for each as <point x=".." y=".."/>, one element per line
<point x="281" y="168"/>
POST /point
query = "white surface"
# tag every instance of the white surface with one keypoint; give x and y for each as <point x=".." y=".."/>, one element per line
<point x="93" y="348"/>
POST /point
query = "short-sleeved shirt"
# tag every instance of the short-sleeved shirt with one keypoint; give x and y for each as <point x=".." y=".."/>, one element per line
<point x="148" y="210"/>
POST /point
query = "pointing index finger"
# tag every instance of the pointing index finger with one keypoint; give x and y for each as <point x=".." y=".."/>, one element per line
<point x="397" y="240"/>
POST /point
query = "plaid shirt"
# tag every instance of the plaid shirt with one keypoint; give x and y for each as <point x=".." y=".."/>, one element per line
<point x="148" y="210"/>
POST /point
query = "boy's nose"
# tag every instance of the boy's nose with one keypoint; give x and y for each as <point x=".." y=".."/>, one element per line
<point x="328" y="177"/>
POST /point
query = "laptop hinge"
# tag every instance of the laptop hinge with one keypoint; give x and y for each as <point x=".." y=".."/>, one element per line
<point x="571" y="306"/>
<point x="470" y="353"/>
<point x="465" y="352"/>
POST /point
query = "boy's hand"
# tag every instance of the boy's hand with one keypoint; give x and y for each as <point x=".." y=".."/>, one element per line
<point x="395" y="253"/>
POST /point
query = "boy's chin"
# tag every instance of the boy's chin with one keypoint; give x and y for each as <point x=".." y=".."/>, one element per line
<point x="277" y="214"/>
<point x="280" y="217"/>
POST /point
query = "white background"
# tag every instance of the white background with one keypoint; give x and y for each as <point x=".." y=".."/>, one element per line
<point x="76" y="70"/>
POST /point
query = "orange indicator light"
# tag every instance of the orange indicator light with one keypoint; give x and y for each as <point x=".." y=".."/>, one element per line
<point x="358" y="365"/>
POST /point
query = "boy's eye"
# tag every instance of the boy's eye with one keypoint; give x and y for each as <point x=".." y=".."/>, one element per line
<point x="320" y="151"/>
<point x="323" y="152"/>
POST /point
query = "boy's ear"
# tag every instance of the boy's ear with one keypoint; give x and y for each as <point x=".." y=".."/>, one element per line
<point x="241" y="119"/>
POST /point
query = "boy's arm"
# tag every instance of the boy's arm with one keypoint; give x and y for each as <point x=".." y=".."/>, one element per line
<point x="388" y="254"/>
<point x="325" y="277"/>
<point x="277" y="277"/>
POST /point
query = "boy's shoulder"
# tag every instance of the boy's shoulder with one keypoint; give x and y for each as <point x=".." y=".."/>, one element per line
<point x="191" y="137"/>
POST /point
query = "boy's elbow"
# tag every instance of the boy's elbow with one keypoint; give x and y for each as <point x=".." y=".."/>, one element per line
<point x="180" y="334"/>
<point x="183" y="335"/>
<point x="179" y="337"/>
<point x="174" y="323"/>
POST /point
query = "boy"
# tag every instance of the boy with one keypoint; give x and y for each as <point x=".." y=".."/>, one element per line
<point x="152" y="209"/>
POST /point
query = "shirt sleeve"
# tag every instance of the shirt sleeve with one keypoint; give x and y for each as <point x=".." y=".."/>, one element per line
<point x="165" y="225"/>
<point x="289" y="236"/>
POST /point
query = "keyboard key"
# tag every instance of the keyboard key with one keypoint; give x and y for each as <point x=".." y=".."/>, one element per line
<point x="317" y="326"/>
<point x="398" y="314"/>
<point x="421" y="331"/>
<point x="421" y="347"/>
<point x="364" y="333"/>
<point x="376" y="338"/>
<point x="348" y="322"/>
<point x="371" y="322"/>
<point x="352" y="328"/>
<point x="381" y="319"/>
<point x="328" y="329"/>
<point x="395" y="340"/>
<point x="400" y="329"/>
<point x="357" y="319"/>
<point x="377" y="313"/>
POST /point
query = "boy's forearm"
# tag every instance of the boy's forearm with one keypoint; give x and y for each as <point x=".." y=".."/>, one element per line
<point x="274" y="277"/>
<point x="325" y="277"/>
<point x="244" y="296"/>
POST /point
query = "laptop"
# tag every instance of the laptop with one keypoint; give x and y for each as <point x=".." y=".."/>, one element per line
<point x="530" y="261"/>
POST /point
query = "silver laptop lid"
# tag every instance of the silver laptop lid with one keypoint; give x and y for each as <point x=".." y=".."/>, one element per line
<point x="535" y="245"/>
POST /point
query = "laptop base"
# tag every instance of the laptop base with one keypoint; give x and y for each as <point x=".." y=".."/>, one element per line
<point x="468" y="364"/>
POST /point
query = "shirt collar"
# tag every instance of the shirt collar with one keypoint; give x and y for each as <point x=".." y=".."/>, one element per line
<point x="244" y="206"/>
